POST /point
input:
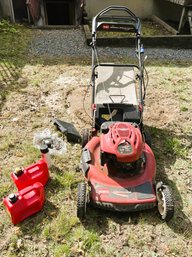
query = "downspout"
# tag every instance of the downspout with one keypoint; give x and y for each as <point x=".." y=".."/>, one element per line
<point x="28" y="13"/>
<point x="12" y="11"/>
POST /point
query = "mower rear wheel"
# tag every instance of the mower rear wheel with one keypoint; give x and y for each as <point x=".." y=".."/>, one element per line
<point x="85" y="137"/>
<point x="165" y="201"/>
<point x="82" y="200"/>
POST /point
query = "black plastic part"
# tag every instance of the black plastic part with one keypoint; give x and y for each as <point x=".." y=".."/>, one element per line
<point x="81" y="200"/>
<point x="147" y="137"/>
<point x="67" y="128"/>
<point x="12" y="198"/>
<point x="125" y="112"/>
<point x="86" y="159"/>
<point x="123" y="207"/>
<point x="44" y="149"/>
<point x="103" y="159"/>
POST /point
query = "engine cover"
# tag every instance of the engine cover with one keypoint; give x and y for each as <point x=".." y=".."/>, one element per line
<point x="124" y="140"/>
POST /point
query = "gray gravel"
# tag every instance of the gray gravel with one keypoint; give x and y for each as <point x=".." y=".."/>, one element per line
<point x="59" y="43"/>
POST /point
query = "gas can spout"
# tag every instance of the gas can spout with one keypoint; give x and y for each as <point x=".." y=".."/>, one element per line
<point x="46" y="155"/>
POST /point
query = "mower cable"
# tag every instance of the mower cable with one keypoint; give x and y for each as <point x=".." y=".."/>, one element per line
<point x="91" y="119"/>
<point x="147" y="82"/>
<point x="96" y="54"/>
<point x="89" y="85"/>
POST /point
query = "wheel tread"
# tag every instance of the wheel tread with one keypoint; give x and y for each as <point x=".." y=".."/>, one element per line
<point x="169" y="203"/>
<point x="81" y="200"/>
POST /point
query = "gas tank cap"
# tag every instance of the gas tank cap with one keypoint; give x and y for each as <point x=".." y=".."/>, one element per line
<point x="18" y="171"/>
<point x="12" y="198"/>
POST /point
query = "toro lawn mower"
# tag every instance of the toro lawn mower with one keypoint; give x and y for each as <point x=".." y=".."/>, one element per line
<point x="117" y="161"/>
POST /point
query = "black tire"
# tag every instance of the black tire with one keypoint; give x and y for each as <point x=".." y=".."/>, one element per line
<point x="85" y="137"/>
<point x="81" y="200"/>
<point x="147" y="138"/>
<point x="165" y="203"/>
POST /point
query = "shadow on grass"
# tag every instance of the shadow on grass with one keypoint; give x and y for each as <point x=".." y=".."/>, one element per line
<point x="166" y="149"/>
<point x="169" y="147"/>
<point x="98" y="219"/>
<point x="34" y="224"/>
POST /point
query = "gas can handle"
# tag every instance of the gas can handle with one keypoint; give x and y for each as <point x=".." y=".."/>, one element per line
<point x="30" y="188"/>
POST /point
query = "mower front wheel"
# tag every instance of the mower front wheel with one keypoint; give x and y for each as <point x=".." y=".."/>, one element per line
<point x="82" y="200"/>
<point x="165" y="201"/>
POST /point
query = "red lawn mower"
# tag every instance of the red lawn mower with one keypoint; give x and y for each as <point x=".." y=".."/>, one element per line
<point x="117" y="161"/>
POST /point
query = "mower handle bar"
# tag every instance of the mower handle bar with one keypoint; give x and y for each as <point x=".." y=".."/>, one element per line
<point x="116" y="8"/>
<point x="100" y="17"/>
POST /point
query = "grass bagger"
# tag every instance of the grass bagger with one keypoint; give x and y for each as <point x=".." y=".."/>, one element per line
<point x="118" y="164"/>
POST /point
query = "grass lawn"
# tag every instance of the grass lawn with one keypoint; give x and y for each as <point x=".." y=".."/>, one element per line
<point x="32" y="92"/>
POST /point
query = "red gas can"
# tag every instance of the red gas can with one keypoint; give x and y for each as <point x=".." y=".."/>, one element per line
<point x="25" y="202"/>
<point x="37" y="172"/>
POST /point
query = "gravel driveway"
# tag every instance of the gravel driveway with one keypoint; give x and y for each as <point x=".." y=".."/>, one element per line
<point x="58" y="43"/>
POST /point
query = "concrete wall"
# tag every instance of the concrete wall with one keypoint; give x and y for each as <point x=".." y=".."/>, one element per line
<point x="7" y="10"/>
<point x="142" y="8"/>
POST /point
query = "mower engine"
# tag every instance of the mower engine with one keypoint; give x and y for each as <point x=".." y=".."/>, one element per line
<point x="121" y="144"/>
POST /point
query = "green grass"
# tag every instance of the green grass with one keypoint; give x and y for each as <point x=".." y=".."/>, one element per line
<point x="56" y="231"/>
<point x="184" y="109"/>
<point x="175" y="147"/>
<point x="14" y="40"/>
<point x="5" y="188"/>
<point x="71" y="236"/>
<point x="167" y="144"/>
<point x="60" y="250"/>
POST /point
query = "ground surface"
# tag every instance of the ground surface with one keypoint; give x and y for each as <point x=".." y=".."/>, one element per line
<point x="34" y="90"/>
